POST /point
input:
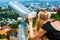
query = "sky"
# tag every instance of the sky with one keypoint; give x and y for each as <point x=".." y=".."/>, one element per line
<point x="26" y="0"/>
<point x="5" y="2"/>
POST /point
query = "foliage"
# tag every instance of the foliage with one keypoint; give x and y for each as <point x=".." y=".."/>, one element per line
<point x="2" y="36"/>
<point x="58" y="13"/>
<point x="34" y="22"/>
<point x="13" y="25"/>
<point x="6" y="16"/>
<point x="56" y="16"/>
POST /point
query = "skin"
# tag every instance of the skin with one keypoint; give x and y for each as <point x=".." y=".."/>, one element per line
<point x="41" y="32"/>
<point x="56" y="25"/>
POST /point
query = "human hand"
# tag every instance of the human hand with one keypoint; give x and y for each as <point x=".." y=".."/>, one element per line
<point x="30" y="18"/>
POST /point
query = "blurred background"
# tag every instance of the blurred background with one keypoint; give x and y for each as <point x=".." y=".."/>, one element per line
<point x="9" y="17"/>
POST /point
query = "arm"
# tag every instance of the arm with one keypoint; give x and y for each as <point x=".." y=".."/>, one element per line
<point x="30" y="26"/>
<point x="40" y="33"/>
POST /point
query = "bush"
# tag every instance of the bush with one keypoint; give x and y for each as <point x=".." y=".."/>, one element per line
<point x="2" y="36"/>
<point x="56" y="16"/>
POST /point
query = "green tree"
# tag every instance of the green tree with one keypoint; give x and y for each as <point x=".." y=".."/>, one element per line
<point x="56" y="16"/>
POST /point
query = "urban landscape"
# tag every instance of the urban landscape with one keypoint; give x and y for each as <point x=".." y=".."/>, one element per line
<point x="11" y="17"/>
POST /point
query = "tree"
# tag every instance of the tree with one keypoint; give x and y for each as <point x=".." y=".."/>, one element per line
<point x="56" y="16"/>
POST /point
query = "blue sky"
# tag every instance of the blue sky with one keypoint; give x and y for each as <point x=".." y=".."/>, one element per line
<point x="26" y="0"/>
<point x="5" y="2"/>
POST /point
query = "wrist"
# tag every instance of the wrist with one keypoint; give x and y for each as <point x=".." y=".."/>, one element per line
<point x="30" y="19"/>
